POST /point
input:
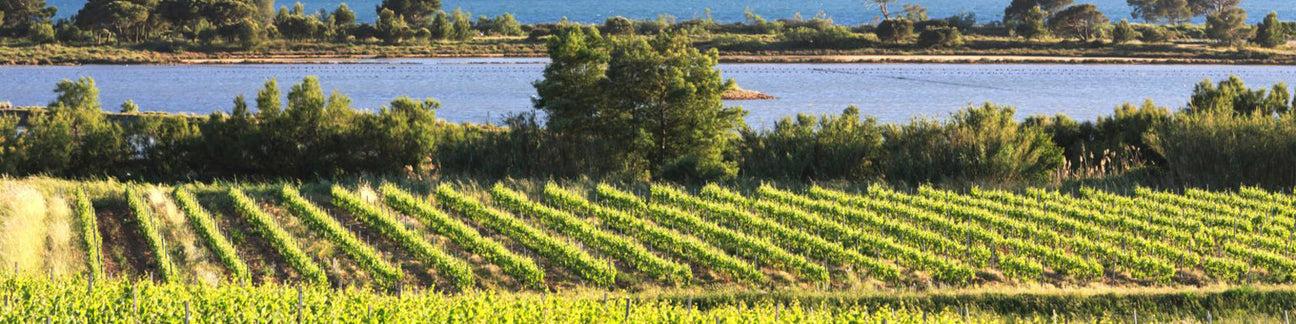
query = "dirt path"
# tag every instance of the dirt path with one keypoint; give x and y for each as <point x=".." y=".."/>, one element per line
<point x="264" y="262"/>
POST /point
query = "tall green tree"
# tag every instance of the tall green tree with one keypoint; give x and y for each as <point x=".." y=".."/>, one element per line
<point x="297" y="24"/>
<point x="654" y="105"/>
<point x="1080" y="21"/>
<point x="19" y="14"/>
<point x="415" y="12"/>
<point x="1228" y="27"/>
<point x="461" y="26"/>
<point x="268" y="100"/>
<point x="127" y="19"/>
<point x="1157" y="11"/>
<point x="442" y="27"/>
<point x="1032" y="24"/>
<point x="391" y="28"/>
<point x="1270" y="32"/>
<point x="672" y="93"/>
<point x="1209" y="7"/>
<point x="1017" y="11"/>
<point x="1123" y="32"/>
<point x="1233" y="97"/>
<point x="570" y="91"/>
<point x="74" y="138"/>
<point x="343" y="16"/>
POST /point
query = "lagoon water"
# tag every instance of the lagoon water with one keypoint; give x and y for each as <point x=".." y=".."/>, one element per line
<point x="484" y="90"/>
<point x="851" y="12"/>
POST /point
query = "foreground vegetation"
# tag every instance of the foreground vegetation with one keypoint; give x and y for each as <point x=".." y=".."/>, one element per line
<point x="313" y="135"/>
<point x="545" y="251"/>
<point x="33" y="300"/>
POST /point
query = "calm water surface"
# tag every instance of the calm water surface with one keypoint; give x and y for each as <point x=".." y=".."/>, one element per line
<point x="843" y="11"/>
<point x="482" y="90"/>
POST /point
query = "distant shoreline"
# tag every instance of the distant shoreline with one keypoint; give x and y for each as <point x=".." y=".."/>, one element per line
<point x="971" y="59"/>
<point x="766" y="59"/>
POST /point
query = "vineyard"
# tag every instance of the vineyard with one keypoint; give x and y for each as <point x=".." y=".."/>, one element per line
<point x="393" y="246"/>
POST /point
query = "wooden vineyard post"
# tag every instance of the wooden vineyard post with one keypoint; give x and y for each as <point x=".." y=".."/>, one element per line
<point x="134" y="300"/>
<point x="627" y="311"/>
<point x="186" y="317"/>
<point x="301" y="303"/>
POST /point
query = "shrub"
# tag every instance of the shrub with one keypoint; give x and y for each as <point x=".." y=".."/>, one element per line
<point x="1228" y="27"/>
<point x="977" y="144"/>
<point x="1124" y="32"/>
<point x="503" y="25"/>
<point x="941" y="37"/>
<point x="1232" y="96"/>
<point x="41" y="33"/>
<point x="844" y="146"/>
<point x="1155" y="34"/>
<point x="1032" y="24"/>
<point x="836" y="37"/>
<point x="1270" y="33"/>
<point x="895" y="30"/>
<point x="618" y="26"/>
<point x="1226" y="150"/>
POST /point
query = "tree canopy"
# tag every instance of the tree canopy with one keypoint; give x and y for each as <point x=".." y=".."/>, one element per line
<point x="1080" y="21"/>
<point x="1018" y="10"/>
<point x="655" y="105"/>
<point x="415" y="12"/>
<point x="1228" y="27"/>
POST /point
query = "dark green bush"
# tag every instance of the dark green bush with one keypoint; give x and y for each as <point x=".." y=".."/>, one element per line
<point x="977" y="144"/>
<point x="940" y="37"/>
<point x="807" y="147"/>
<point x="1124" y="32"/>
<point x="1226" y="150"/>
<point x="895" y="30"/>
<point x="618" y="26"/>
<point x="836" y="37"/>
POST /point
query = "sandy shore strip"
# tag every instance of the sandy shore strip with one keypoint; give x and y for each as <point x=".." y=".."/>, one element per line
<point x="896" y="59"/>
<point x="958" y="59"/>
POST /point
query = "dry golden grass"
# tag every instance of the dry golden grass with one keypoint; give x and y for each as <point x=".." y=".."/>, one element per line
<point x="64" y="254"/>
<point x="191" y="257"/>
<point x="22" y="227"/>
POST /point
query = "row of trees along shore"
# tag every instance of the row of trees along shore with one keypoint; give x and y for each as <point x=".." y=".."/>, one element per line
<point x="639" y="109"/>
<point x="248" y="24"/>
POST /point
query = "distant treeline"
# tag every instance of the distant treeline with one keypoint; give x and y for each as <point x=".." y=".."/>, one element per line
<point x="651" y="108"/>
<point x="177" y="25"/>
<point x="1224" y="138"/>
